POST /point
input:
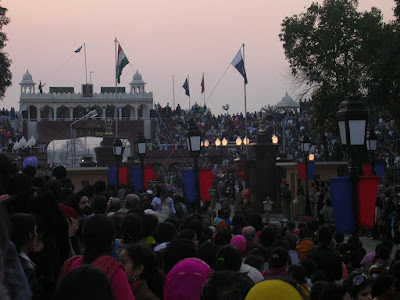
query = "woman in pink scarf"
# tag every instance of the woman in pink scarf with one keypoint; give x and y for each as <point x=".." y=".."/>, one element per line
<point x="186" y="279"/>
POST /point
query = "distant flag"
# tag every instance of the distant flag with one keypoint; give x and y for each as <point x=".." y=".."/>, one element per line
<point x="202" y="84"/>
<point x="186" y="87"/>
<point x="238" y="63"/>
<point x="79" y="49"/>
<point x="122" y="62"/>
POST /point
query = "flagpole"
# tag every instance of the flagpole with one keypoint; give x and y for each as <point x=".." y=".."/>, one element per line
<point x="173" y="92"/>
<point x="245" y="110"/>
<point x="204" y="84"/>
<point x="189" y="91"/>
<point x="116" y="89"/>
<point x="84" y="50"/>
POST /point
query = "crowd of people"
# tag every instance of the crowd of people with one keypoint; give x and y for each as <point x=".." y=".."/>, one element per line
<point x="103" y="243"/>
<point x="293" y="124"/>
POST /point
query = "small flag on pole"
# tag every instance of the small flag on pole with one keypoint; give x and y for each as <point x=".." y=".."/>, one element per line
<point x="202" y="84"/>
<point x="79" y="49"/>
<point x="186" y="87"/>
<point x="122" y="62"/>
<point x="238" y="63"/>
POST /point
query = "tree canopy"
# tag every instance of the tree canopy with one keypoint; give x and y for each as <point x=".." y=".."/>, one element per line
<point x="335" y="50"/>
<point x="5" y="61"/>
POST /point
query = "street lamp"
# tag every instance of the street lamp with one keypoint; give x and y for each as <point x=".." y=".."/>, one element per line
<point x="217" y="142"/>
<point x="23" y="147"/>
<point x="89" y="115"/>
<point x="305" y="148"/>
<point x="372" y="143"/>
<point x="204" y="145"/>
<point x="193" y="139"/>
<point x="141" y="150"/>
<point x="274" y="139"/>
<point x="352" y="121"/>
<point x="118" y="151"/>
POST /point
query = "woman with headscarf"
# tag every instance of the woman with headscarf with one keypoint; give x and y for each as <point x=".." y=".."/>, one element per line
<point x="275" y="289"/>
<point x="186" y="280"/>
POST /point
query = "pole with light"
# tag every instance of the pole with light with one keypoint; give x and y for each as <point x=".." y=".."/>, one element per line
<point x="305" y="149"/>
<point x="141" y="150"/>
<point x="352" y="121"/>
<point x="193" y="139"/>
<point x="204" y="146"/>
<point x="89" y="115"/>
<point x="372" y="143"/>
<point x="118" y="151"/>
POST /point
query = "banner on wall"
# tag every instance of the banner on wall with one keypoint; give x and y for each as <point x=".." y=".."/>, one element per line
<point x="189" y="182"/>
<point x="301" y="166"/>
<point x="367" y="169"/>
<point x="148" y="175"/>
<point x="205" y="178"/>
<point x="123" y="175"/>
<point x="340" y="190"/>
<point x="112" y="175"/>
<point x="367" y="192"/>
<point x="137" y="178"/>
<point x="380" y="169"/>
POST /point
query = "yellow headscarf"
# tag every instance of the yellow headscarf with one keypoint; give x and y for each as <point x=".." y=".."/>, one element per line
<point x="274" y="290"/>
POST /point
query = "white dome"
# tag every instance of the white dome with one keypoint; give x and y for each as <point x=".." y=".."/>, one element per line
<point x="27" y="78"/>
<point x="137" y="79"/>
<point x="287" y="102"/>
<point x="137" y="76"/>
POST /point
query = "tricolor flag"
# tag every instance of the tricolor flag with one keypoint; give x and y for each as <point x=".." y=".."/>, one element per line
<point x="79" y="49"/>
<point x="202" y="84"/>
<point x="238" y="63"/>
<point x="186" y="87"/>
<point x="122" y="62"/>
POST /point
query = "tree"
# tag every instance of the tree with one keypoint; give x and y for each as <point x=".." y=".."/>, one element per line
<point x="325" y="47"/>
<point x="5" y="61"/>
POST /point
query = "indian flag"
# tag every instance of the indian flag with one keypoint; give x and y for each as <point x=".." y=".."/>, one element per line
<point x="122" y="62"/>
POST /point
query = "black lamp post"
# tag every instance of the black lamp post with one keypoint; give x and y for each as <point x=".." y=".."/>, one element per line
<point x="352" y="121"/>
<point x="372" y="143"/>
<point x="194" y="146"/>
<point x="141" y="150"/>
<point x="118" y="151"/>
<point x="305" y="148"/>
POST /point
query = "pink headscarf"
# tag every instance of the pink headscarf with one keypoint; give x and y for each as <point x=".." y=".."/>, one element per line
<point x="186" y="279"/>
<point x="240" y="242"/>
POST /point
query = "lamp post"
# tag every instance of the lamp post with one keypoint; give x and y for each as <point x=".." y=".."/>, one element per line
<point x="305" y="149"/>
<point x="23" y="147"/>
<point x="193" y="139"/>
<point x="141" y="150"/>
<point x="91" y="114"/>
<point x="204" y="146"/>
<point x="372" y="143"/>
<point x="352" y="121"/>
<point x="118" y="151"/>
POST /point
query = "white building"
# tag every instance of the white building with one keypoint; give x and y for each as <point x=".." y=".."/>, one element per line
<point x="64" y="104"/>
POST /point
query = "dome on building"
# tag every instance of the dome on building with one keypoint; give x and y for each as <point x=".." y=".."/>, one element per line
<point x="137" y="76"/>
<point x="137" y="79"/>
<point x="287" y="102"/>
<point x="27" y="78"/>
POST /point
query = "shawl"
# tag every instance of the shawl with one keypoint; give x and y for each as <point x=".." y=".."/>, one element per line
<point x="186" y="279"/>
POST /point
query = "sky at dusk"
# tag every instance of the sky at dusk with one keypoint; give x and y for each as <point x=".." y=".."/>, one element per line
<point x="160" y="38"/>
